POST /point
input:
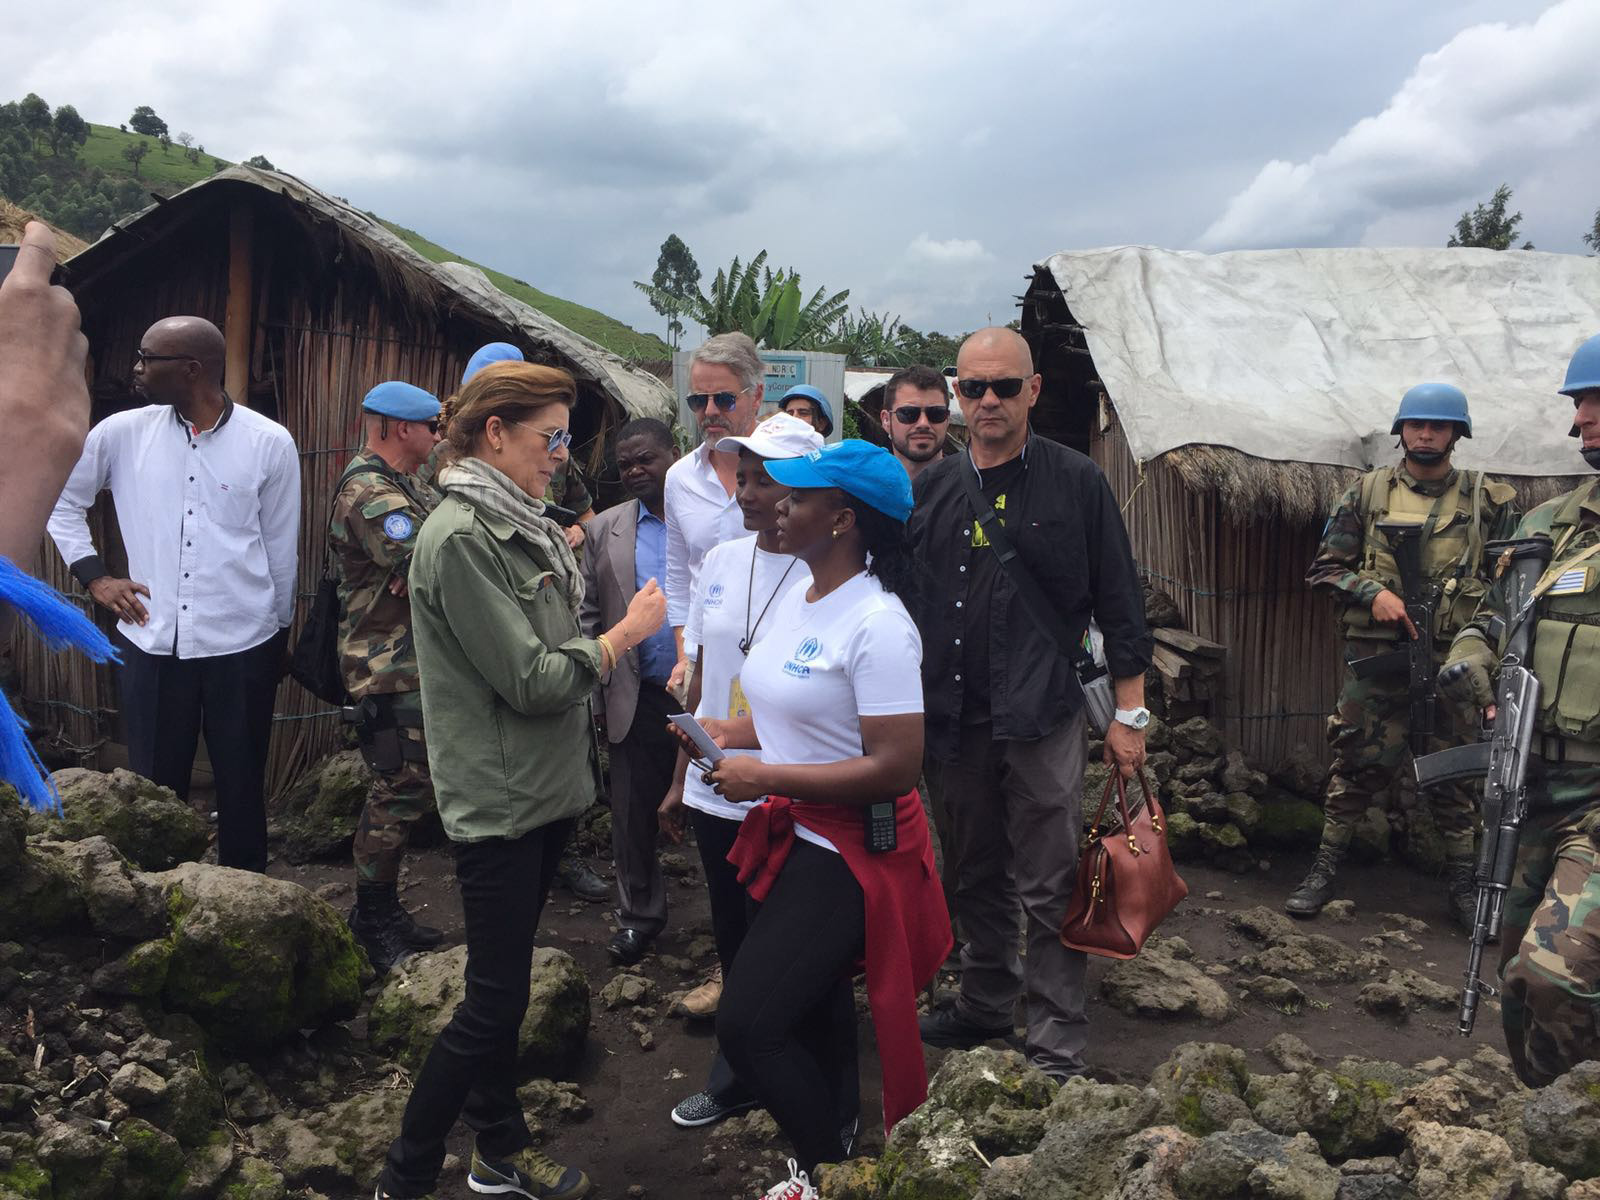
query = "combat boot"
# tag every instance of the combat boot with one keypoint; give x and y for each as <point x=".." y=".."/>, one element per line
<point x="1316" y="889"/>
<point x="1462" y="883"/>
<point x="376" y="922"/>
<point x="373" y="897"/>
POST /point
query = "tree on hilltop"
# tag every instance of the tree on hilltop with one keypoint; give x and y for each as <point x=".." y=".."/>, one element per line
<point x="1592" y="238"/>
<point x="68" y="131"/>
<point x="145" y="121"/>
<point x="676" y="276"/>
<point x="135" y="154"/>
<point x="261" y="161"/>
<point x="34" y="114"/>
<point x="166" y="145"/>
<point x="1487" y="226"/>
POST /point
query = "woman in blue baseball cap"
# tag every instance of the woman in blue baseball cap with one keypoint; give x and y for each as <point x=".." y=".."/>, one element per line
<point x="838" y="851"/>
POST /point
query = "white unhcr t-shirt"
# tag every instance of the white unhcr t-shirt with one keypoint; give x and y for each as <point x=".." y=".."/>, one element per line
<point x="823" y="666"/>
<point x="727" y="605"/>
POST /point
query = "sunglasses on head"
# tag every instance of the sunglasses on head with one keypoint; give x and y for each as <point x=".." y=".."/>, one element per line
<point x="973" y="389"/>
<point x="724" y="401"/>
<point x="908" y="414"/>
<point x="560" y="439"/>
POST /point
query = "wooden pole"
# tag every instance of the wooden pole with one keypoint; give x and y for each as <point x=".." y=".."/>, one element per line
<point x="236" y="375"/>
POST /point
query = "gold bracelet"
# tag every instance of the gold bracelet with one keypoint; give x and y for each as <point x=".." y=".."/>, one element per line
<point x="608" y="653"/>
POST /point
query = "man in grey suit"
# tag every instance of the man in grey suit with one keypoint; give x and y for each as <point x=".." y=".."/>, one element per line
<point x="628" y="548"/>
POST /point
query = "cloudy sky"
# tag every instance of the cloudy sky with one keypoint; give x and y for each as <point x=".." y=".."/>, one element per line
<point x="923" y="155"/>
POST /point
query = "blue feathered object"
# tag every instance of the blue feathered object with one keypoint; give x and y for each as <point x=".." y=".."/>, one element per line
<point x="55" y="619"/>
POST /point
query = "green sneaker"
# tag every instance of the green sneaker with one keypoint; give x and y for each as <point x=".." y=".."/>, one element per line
<point x="528" y="1173"/>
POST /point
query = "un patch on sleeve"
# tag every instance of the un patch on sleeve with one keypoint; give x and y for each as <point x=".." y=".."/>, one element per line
<point x="398" y="527"/>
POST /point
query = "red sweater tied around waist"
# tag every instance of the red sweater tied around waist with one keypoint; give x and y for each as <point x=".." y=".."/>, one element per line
<point x="908" y="925"/>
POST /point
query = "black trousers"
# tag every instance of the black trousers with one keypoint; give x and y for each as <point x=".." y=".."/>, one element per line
<point x="787" y="1020"/>
<point x="641" y="773"/>
<point x="167" y="701"/>
<point x="471" y="1072"/>
<point x="731" y="911"/>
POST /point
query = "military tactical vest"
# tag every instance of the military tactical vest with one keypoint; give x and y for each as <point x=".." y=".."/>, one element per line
<point x="1452" y="548"/>
<point x="1566" y="636"/>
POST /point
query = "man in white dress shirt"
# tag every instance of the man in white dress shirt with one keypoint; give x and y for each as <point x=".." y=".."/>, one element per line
<point x="725" y="391"/>
<point x="208" y="502"/>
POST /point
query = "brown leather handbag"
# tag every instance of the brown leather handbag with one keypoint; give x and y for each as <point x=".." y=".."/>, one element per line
<point x="1126" y="881"/>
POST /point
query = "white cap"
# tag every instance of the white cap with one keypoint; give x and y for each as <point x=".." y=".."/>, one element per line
<point x="779" y="436"/>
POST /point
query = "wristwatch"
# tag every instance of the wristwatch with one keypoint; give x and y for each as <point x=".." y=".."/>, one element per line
<point x="1134" y="718"/>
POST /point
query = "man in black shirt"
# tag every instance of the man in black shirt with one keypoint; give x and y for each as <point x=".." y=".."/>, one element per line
<point x="1005" y="712"/>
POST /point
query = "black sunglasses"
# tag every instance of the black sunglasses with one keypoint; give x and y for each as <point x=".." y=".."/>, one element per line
<point x="725" y="401"/>
<point x="908" y="414"/>
<point x="973" y="389"/>
<point x="141" y="356"/>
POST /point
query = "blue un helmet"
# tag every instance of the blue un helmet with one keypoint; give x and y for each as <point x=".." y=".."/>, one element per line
<point x="1583" y="373"/>
<point x="1434" y="402"/>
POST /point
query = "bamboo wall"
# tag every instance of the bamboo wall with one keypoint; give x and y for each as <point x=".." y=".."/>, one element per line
<point x="1243" y="585"/>
<point x="321" y="337"/>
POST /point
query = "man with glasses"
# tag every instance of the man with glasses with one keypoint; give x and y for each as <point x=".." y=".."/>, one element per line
<point x="725" y="391"/>
<point x="1005" y="711"/>
<point x="377" y="513"/>
<point x="916" y="416"/>
<point x="207" y="496"/>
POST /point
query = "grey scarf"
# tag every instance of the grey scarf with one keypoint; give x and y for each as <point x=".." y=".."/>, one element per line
<point x="492" y="490"/>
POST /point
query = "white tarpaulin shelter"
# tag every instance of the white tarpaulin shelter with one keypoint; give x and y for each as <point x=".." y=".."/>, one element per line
<point x="1303" y="355"/>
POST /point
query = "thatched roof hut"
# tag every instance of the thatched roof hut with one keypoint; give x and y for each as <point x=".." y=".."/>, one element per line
<point x="1231" y="398"/>
<point x="318" y="302"/>
<point x="14" y="219"/>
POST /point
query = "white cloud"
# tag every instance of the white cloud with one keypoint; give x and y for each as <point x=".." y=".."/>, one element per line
<point x="1493" y="104"/>
<point x="950" y="251"/>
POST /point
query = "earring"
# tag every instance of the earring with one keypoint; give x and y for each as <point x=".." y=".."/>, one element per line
<point x="835" y="533"/>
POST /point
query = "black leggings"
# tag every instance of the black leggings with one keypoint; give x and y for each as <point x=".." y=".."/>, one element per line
<point x="471" y="1072"/>
<point x="787" y="1020"/>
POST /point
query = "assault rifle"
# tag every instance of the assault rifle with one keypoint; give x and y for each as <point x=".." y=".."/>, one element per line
<point x="1502" y="760"/>
<point x="1415" y="658"/>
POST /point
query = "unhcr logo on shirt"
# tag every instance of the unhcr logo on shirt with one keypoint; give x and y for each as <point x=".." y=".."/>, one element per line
<point x="714" y="596"/>
<point x="803" y="654"/>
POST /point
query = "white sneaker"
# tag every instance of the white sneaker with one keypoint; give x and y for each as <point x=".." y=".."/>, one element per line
<point x="796" y="1187"/>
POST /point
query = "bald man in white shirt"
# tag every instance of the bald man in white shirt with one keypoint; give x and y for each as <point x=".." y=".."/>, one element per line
<point x="207" y="495"/>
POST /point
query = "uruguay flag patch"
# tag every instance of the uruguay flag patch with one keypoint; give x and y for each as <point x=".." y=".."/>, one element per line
<point x="1571" y="582"/>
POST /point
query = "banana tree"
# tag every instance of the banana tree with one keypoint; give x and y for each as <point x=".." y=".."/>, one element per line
<point x="769" y="306"/>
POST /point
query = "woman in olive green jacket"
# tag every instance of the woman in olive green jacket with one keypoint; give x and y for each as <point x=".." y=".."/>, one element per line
<point x="506" y="683"/>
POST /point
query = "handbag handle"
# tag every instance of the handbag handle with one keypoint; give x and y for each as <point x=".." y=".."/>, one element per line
<point x="1121" y="787"/>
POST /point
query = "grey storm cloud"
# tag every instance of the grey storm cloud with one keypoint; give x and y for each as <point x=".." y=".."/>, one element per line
<point x="1491" y="104"/>
<point x="923" y="155"/>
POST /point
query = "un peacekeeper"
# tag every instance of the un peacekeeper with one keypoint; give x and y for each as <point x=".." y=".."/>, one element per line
<point x="379" y="508"/>
<point x="1550" y="937"/>
<point x="1458" y="511"/>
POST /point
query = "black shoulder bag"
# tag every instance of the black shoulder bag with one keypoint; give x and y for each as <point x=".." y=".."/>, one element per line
<point x="1100" y="700"/>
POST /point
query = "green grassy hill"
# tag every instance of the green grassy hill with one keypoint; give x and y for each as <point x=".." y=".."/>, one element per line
<point x="167" y="171"/>
<point x="170" y="171"/>
<point x="594" y="325"/>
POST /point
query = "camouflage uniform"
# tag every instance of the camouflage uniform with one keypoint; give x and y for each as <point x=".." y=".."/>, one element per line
<point x="372" y="530"/>
<point x="1369" y="730"/>
<point x="1550" y="939"/>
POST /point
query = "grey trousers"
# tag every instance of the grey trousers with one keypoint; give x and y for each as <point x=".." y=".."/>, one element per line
<point x="641" y="772"/>
<point x="1015" y="816"/>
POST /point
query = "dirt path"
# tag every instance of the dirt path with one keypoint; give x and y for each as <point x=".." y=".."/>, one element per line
<point x="629" y="1143"/>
